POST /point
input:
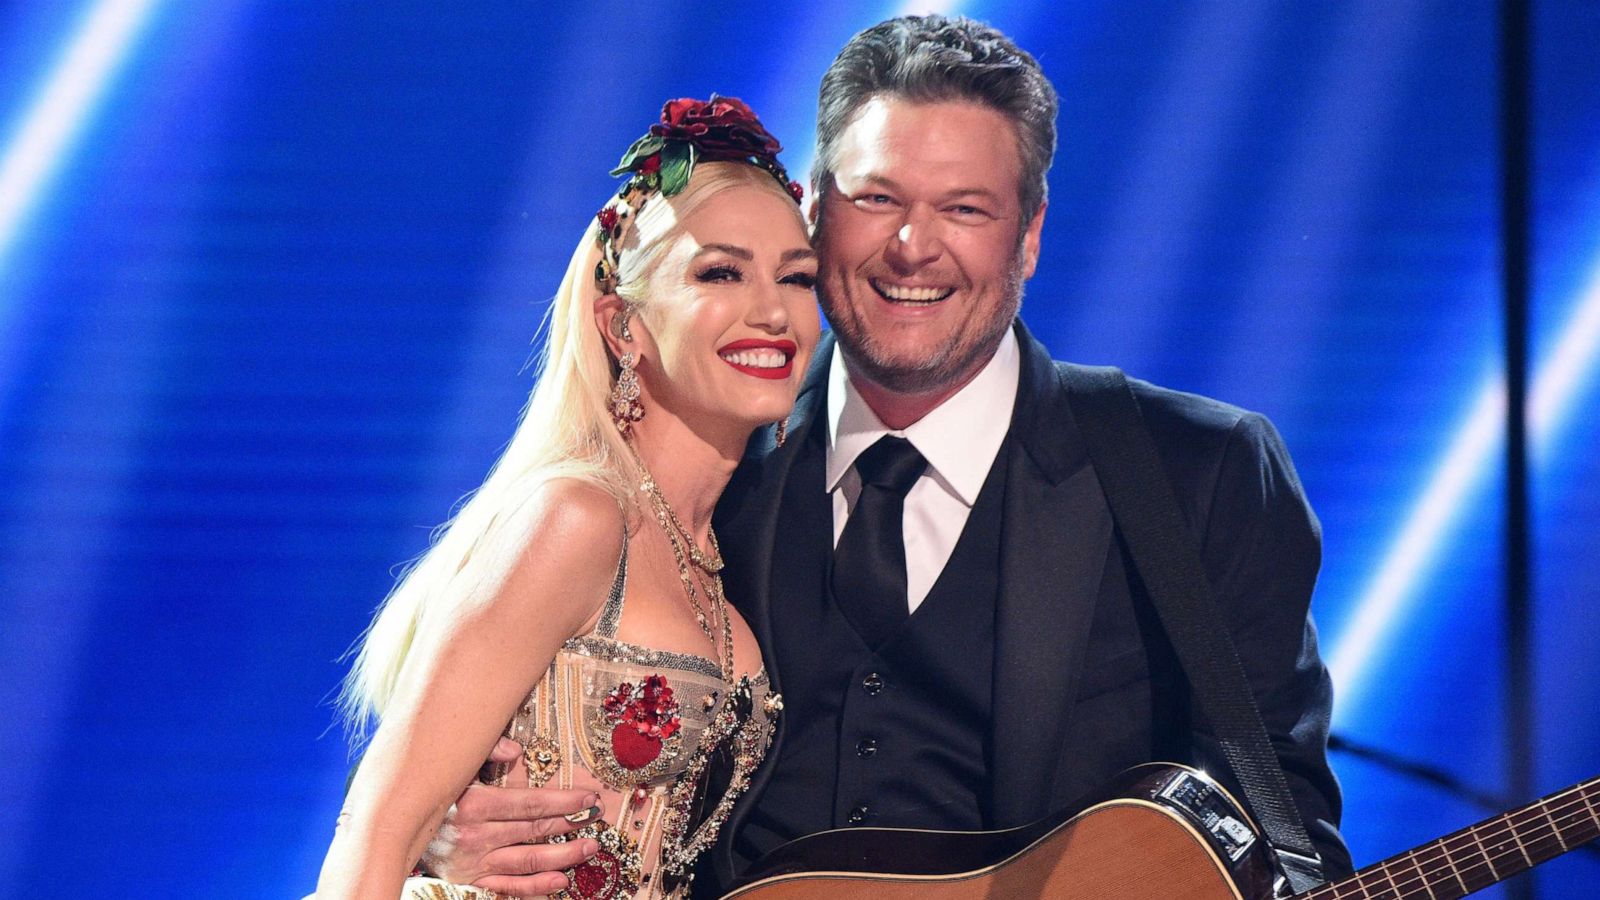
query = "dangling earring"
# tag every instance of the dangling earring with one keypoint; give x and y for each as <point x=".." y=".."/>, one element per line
<point x="625" y="406"/>
<point x="783" y="430"/>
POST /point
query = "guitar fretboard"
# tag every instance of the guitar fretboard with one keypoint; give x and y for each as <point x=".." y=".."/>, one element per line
<point x="1475" y="857"/>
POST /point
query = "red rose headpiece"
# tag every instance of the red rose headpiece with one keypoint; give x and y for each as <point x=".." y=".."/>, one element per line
<point x="722" y="129"/>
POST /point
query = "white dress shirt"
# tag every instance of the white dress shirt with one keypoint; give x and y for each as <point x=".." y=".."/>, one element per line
<point x="959" y="438"/>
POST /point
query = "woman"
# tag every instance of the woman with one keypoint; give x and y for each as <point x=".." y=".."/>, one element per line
<point x="576" y="595"/>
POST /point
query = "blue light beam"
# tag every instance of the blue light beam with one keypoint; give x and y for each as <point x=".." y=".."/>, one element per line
<point x="57" y="116"/>
<point x="1392" y="591"/>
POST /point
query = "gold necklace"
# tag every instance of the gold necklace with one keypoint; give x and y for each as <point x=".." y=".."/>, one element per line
<point x="679" y="538"/>
<point x="711" y="565"/>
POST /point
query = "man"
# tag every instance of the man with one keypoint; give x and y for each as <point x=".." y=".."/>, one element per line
<point x="932" y="460"/>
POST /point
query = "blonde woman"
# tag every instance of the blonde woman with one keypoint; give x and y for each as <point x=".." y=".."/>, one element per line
<point x="574" y="604"/>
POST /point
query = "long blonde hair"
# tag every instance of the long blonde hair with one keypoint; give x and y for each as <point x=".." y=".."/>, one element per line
<point x="565" y="431"/>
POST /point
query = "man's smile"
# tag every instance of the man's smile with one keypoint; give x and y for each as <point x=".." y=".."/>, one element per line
<point x="915" y="295"/>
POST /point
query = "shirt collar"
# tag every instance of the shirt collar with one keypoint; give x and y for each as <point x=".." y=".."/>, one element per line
<point x="959" y="438"/>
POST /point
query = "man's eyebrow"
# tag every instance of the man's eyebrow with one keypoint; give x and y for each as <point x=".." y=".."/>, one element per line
<point x="891" y="184"/>
<point x="971" y="192"/>
<point x="731" y="249"/>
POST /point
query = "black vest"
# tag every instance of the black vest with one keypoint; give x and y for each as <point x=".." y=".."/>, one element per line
<point x="897" y="737"/>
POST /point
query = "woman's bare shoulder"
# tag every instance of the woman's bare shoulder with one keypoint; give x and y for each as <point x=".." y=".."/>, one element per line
<point x="573" y="509"/>
<point x="563" y="540"/>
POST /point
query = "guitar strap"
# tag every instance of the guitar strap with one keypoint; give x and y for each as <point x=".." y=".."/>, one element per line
<point x="1147" y="513"/>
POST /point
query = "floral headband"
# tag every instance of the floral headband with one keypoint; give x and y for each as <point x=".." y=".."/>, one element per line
<point x="722" y="129"/>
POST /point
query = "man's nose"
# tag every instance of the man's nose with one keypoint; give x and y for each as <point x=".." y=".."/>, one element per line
<point x="916" y="243"/>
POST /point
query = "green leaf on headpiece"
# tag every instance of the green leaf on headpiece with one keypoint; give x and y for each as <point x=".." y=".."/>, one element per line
<point x="643" y="147"/>
<point x="677" y="161"/>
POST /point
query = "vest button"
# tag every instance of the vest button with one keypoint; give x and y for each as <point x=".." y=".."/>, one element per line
<point x="866" y="747"/>
<point x="872" y="684"/>
<point x="857" y="815"/>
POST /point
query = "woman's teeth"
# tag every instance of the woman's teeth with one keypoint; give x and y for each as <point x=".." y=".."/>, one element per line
<point x="757" y="359"/>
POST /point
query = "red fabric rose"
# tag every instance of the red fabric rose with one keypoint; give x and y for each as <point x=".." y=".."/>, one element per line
<point x="618" y="699"/>
<point x="608" y="218"/>
<point x="651" y="164"/>
<point x="722" y="128"/>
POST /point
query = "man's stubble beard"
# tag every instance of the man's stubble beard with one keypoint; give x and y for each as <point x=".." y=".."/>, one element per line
<point x="951" y="363"/>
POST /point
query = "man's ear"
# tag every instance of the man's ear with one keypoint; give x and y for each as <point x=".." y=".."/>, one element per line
<point x="819" y="194"/>
<point x="1030" y="242"/>
<point x="609" y="310"/>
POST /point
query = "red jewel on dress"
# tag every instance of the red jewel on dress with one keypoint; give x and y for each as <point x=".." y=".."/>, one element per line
<point x="645" y="715"/>
<point x="632" y="749"/>
<point x="593" y="878"/>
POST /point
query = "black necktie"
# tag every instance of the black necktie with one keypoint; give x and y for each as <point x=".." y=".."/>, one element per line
<point x="869" y="564"/>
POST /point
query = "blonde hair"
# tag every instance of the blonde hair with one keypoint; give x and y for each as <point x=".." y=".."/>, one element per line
<point x="565" y="431"/>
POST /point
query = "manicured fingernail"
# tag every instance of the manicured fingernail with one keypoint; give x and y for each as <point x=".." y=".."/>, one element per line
<point x="582" y="815"/>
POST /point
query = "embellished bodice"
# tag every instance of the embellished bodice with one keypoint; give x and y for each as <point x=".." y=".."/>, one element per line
<point x="652" y="725"/>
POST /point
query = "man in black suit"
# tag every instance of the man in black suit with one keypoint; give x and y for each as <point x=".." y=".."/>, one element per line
<point x="929" y="561"/>
<point x="1022" y="665"/>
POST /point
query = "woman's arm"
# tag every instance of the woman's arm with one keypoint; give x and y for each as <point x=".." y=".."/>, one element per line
<point x="540" y="582"/>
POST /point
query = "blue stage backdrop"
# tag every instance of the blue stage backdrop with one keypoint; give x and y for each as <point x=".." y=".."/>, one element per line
<point x="270" y="275"/>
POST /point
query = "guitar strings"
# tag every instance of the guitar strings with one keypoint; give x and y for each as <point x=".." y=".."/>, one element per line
<point x="1569" y="812"/>
<point x="1484" y="857"/>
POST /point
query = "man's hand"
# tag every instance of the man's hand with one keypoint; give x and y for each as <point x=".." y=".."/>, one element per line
<point x="484" y="838"/>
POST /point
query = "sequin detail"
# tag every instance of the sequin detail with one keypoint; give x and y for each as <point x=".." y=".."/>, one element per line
<point x="746" y="727"/>
<point x="613" y="650"/>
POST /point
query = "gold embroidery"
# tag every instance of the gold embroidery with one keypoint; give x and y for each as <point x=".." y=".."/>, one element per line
<point x="614" y="774"/>
<point x="543" y="757"/>
<point x="428" y="888"/>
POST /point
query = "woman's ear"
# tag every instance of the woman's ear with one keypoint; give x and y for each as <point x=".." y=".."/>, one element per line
<point x="611" y="316"/>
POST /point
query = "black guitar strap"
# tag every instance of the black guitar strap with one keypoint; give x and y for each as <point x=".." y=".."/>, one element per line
<point x="1163" y="551"/>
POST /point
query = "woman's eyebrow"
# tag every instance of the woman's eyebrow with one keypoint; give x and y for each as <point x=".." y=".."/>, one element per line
<point x="730" y="249"/>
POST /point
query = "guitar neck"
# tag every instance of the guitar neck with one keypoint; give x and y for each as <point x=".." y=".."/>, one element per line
<point x="1475" y="857"/>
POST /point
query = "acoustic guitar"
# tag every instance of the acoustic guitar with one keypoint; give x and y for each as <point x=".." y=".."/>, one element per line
<point x="1160" y="832"/>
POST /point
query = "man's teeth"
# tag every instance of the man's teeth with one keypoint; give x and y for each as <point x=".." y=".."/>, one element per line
<point x="911" y="294"/>
<point x="757" y="359"/>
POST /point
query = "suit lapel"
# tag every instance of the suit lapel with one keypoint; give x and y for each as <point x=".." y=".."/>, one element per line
<point x="1055" y="535"/>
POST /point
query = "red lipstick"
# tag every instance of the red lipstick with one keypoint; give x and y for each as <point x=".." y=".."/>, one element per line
<point x="787" y="348"/>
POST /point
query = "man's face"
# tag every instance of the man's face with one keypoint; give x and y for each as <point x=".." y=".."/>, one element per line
<point x="923" y="253"/>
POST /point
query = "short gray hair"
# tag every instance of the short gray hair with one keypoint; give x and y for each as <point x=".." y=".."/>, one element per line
<point x="931" y="59"/>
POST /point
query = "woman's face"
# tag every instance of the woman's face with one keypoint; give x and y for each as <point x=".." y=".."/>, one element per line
<point x="731" y="312"/>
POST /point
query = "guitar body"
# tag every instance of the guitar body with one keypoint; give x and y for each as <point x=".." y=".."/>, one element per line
<point x="1163" y="832"/>
<point x="1160" y="832"/>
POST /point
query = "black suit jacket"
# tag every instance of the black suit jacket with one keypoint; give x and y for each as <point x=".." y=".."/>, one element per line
<point x="1084" y="682"/>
